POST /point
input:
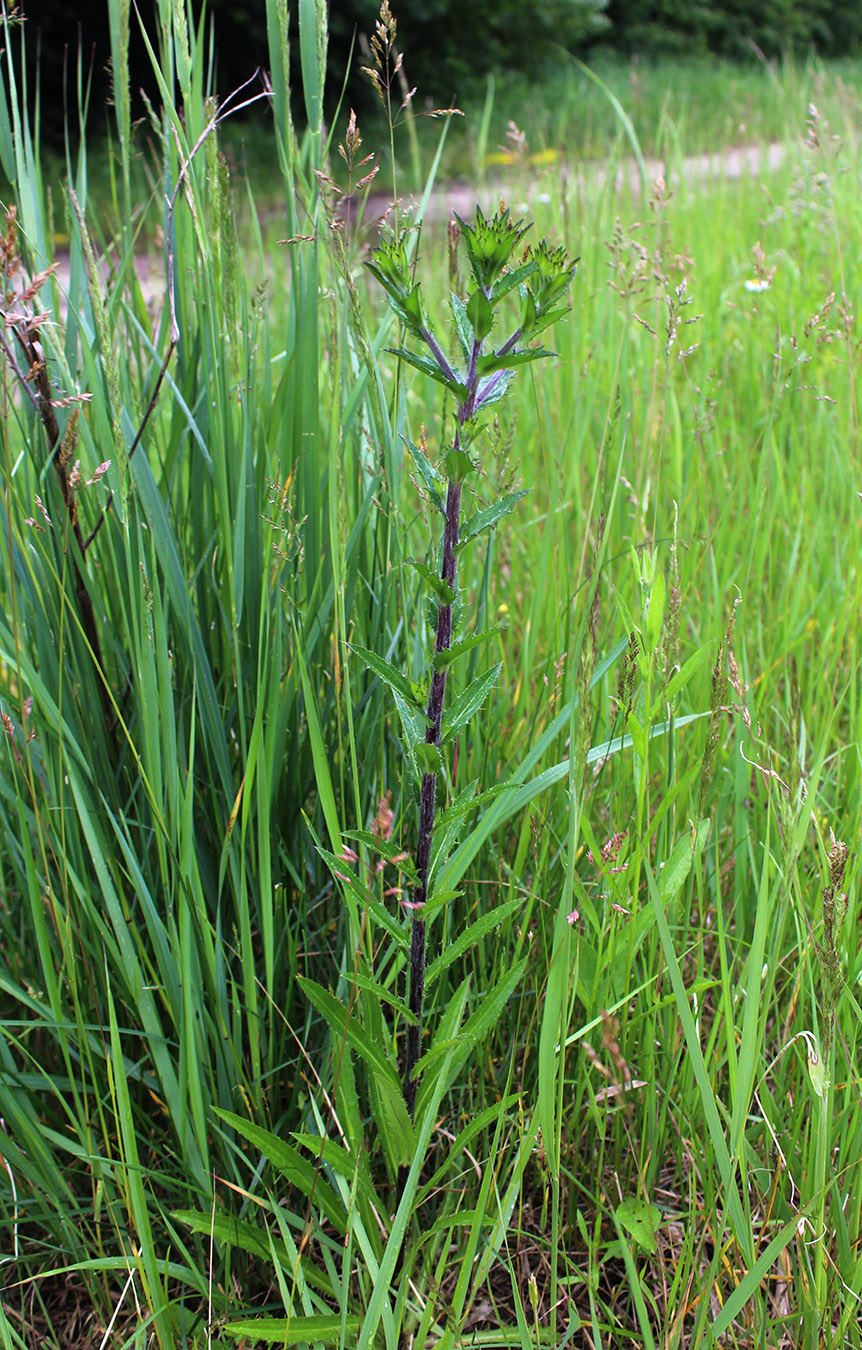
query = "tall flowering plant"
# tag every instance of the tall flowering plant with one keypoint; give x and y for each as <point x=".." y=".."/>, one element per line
<point x="477" y="375"/>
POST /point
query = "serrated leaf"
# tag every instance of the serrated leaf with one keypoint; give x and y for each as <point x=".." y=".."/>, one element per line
<point x="480" y="312"/>
<point x="389" y="674"/>
<point x="387" y="848"/>
<point x="443" y="660"/>
<point x="363" y="895"/>
<point x="294" y="1330"/>
<point x="428" y="757"/>
<point x="430" y="367"/>
<point x="490" y="392"/>
<point x="542" y="321"/>
<point x="290" y="1163"/>
<point x="509" y="280"/>
<point x="392" y="1119"/>
<point x="640" y="1220"/>
<point x="438" y="898"/>
<point x="412" y="730"/>
<point x="484" y="520"/>
<point x="462" y="324"/>
<point x="469" y="702"/>
<point x="441" y="588"/>
<point x="520" y="357"/>
<point x="348" y="1028"/>
<point x="434" y="482"/>
<point x="383" y="994"/>
<point x="470" y="936"/>
<point x="346" y="1164"/>
<point x="467" y="800"/>
<point x="458" y="465"/>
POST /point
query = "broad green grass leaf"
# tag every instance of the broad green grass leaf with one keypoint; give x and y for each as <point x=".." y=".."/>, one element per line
<point x="641" y="1221"/>
<point x="462" y="1042"/>
<point x="328" y="1330"/>
<point x="675" y="871"/>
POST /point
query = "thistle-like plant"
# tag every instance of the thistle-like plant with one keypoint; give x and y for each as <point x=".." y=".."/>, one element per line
<point x="477" y="377"/>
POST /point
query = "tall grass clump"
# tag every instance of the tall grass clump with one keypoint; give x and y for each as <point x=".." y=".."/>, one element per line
<point x="275" y="695"/>
<point x="166" y="635"/>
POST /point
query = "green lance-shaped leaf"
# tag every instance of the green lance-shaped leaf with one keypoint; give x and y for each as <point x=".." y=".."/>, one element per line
<point x="445" y="658"/>
<point x="382" y="994"/>
<point x="349" y="1028"/>
<point x="673" y="874"/>
<point x="495" y="387"/>
<point x="412" y="730"/>
<point x="291" y="1164"/>
<point x="387" y="1102"/>
<point x="640" y="1220"/>
<point x="465" y="1040"/>
<point x="469" y="702"/>
<point x="386" y="848"/>
<point x="470" y="937"/>
<point x="435" y="484"/>
<point x="462" y="325"/>
<point x="442" y="590"/>
<point x="480" y="312"/>
<point x="458" y="465"/>
<point x="682" y="677"/>
<point x="468" y="800"/>
<point x="347" y="1165"/>
<point x="484" y="520"/>
<point x="428" y="758"/>
<point x="325" y="1328"/>
<point x="521" y="356"/>
<point x="391" y="675"/>
<point x="431" y="368"/>
<point x="534" y="322"/>
<point x="363" y="896"/>
<point x="509" y="280"/>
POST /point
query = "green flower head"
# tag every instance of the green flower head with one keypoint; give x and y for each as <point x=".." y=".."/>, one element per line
<point x="546" y="287"/>
<point x="391" y="266"/>
<point x="552" y="277"/>
<point x="490" y="244"/>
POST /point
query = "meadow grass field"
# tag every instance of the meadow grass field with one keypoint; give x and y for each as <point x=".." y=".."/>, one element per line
<point x="639" y="1119"/>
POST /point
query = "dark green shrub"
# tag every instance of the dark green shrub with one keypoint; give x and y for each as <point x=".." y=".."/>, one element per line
<point x="831" y="27"/>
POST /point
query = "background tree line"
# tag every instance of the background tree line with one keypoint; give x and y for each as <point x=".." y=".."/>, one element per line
<point x="450" y="45"/>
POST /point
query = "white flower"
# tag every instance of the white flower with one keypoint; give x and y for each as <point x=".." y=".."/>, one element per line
<point x="757" y="284"/>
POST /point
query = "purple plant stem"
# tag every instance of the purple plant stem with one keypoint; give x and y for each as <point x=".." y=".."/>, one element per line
<point x="427" y="796"/>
